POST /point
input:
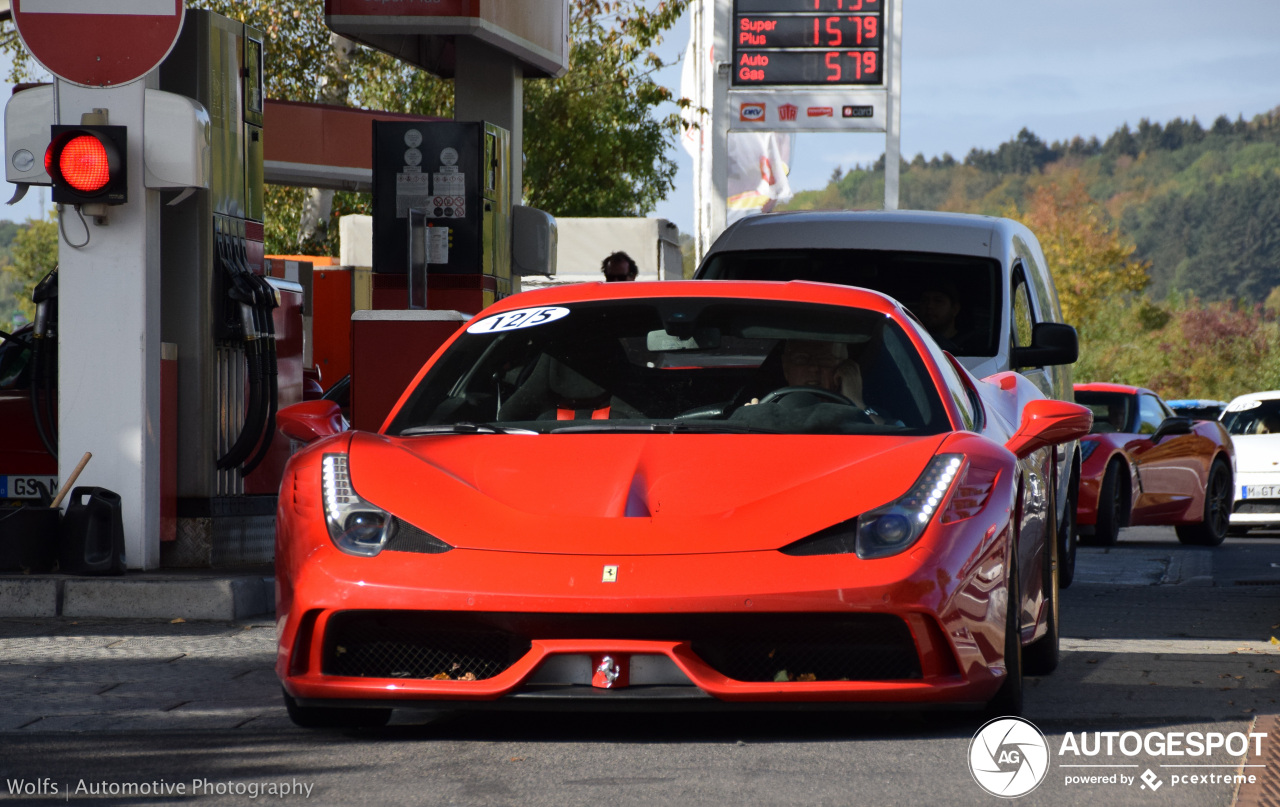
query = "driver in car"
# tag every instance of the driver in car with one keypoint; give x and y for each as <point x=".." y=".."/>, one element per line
<point x="827" y="366"/>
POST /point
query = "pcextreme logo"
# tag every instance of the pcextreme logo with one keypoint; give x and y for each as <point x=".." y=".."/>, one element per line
<point x="1008" y="757"/>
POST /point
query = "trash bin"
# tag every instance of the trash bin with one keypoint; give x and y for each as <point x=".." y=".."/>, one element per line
<point x="92" y="537"/>
<point x="28" y="539"/>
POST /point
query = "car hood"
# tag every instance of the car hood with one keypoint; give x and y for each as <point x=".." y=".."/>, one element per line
<point x="632" y="494"/>
<point x="1257" y="453"/>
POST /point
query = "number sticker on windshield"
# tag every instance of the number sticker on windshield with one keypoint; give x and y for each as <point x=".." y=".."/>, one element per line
<point x="1243" y="406"/>
<point x="514" y="320"/>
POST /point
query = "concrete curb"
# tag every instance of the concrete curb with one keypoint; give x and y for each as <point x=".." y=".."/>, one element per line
<point x="151" y="597"/>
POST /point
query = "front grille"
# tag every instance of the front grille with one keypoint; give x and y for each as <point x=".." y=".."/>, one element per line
<point x="743" y="647"/>
<point x="407" y="644"/>
<point x="1268" y="506"/>
<point x="864" y="647"/>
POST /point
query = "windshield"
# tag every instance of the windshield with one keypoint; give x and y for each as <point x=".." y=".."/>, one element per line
<point x="1112" y="411"/>
<point x="1253" y="417"/>
<point x="956" y="297"/>
<point x="678" y="365"/>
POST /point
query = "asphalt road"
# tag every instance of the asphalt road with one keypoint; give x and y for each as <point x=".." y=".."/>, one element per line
<point x="1158" y="639"/>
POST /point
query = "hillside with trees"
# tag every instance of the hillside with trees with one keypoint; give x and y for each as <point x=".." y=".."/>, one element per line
<point x="1164" y="240"/>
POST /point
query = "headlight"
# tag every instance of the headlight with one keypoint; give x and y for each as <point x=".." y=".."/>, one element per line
<point x="355" y="526"/>
<point x="894" y="527"/>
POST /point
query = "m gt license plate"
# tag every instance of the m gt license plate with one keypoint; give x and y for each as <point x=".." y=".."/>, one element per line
<point x="27" y="487"/>
<point x="1261" y="492"/>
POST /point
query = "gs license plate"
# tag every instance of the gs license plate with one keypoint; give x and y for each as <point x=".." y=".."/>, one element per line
<point x="1262" y="491"/>
<point x="27" y="487"/>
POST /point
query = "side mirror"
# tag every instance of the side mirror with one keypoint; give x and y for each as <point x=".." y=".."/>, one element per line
<point x="308" y="421"/>
<point x="1051" y="343"/>
<point x="1172" y="426"/>
<point x="1047" y="423"/>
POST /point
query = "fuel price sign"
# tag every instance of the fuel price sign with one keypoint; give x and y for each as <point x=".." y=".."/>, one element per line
<point x="813" y="43"/>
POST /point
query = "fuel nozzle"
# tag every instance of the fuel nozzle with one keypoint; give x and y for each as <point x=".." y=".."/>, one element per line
<point x="45" y="296"/>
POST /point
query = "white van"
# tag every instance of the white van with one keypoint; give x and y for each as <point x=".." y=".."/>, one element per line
<point x="980" y="284"/>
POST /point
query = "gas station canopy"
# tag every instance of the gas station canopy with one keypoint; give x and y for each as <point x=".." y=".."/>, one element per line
<point x="533" y="32"/>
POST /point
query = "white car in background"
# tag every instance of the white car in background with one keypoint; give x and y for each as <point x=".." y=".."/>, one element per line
<point x="1253" y="421"/>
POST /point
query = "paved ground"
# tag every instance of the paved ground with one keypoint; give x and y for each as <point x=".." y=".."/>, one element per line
<point x="1156" y="637"/>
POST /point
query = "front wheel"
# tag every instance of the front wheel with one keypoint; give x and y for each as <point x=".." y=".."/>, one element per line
<point x="320" y="717"/>
<point x="1113" y="506"/>
<point x="1217" y="510"/>
<point x="1068" y="542"/>
<point x="1008" y="700"/>
<point x="1041" y="656"/>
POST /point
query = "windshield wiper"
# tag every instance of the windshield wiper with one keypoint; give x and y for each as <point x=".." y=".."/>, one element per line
<point x="462" y="427"/>
<point x="660" y="428"/>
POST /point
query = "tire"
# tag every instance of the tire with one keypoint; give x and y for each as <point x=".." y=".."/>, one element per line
<point x="1113" y="507"/>
<point x="1068" y="542"/>
<point x="319" y="717"/>
<point x="1217" y="510"/>
<point x="1041" y="656"/>
<point x="1008" y="700"/>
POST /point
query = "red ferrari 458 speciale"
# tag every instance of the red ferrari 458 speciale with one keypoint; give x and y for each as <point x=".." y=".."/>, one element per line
<point x="674" y="494"/>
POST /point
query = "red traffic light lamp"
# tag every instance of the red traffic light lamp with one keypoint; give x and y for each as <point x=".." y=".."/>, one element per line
<point x="87" y="165"/>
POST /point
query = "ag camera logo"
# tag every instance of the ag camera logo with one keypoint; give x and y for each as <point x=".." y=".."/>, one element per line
<point x="1008" y="757"/>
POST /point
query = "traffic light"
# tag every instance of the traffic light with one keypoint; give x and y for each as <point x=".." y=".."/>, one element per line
<point x="87" y="165"/>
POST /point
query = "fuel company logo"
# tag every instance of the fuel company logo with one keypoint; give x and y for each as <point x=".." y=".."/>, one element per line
<point x="787" y="111"/>
<point x="1008" y="757"/>
<point x="751" y="112"/>
<point x="819" y="112"/>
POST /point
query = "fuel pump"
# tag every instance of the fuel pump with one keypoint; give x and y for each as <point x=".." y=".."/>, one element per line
<point x="222" y="310"/>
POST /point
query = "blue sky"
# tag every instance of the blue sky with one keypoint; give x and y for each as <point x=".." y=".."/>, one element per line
<point x="976" y="73"/>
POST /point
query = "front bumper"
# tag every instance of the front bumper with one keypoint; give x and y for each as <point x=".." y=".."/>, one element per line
<point x="405" y="630"/>
<point x="1258" y="511"/>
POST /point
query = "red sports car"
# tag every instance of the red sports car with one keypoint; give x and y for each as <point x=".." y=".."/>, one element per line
<point x="1145" y="465"/>
<point x="688" y="494"/>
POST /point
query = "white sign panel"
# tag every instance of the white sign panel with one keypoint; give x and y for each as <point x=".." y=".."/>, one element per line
<point x="793" y="110"/>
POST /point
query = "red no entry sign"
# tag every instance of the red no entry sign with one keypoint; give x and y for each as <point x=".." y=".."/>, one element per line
<point x="98" y="43"/>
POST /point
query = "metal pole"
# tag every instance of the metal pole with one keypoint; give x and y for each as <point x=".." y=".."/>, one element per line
<point x="699" y="56"/>
<point x="893" y="129"/>
<point x="721" y="23"/>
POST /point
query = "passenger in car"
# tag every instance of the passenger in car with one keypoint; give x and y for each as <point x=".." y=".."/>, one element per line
<point x="1268" y="425"/>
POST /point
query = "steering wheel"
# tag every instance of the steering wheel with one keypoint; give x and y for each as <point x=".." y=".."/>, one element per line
<point x="782" y="392"/>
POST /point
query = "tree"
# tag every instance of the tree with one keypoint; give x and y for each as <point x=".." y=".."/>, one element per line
<point x="35" y="252"/>
<point x="1084" y="250"/>
<point x="594" y="146"/>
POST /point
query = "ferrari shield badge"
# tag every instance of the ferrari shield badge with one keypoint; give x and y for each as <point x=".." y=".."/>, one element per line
<point x="609" y="671"/>
<point x="610" y="575"/>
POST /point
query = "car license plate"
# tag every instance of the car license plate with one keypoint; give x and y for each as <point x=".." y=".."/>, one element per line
<point x="26" y="487"/>
<point x="1262" y="491"/>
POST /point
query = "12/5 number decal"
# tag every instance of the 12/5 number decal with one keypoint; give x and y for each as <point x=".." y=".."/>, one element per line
<point x="514" y="320"/>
